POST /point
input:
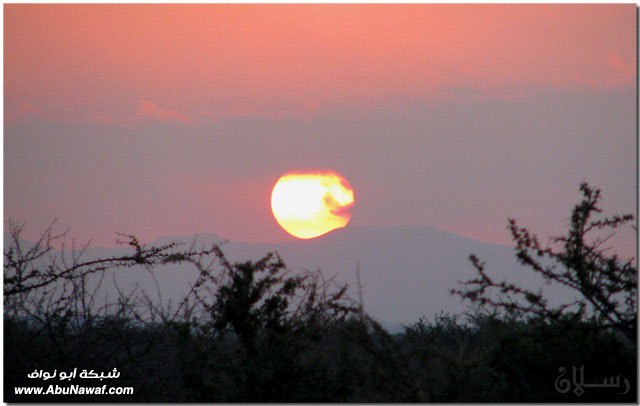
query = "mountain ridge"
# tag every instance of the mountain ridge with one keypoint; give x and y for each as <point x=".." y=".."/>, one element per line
<point x="406" y="272"/>
<point x="214" y="237"/>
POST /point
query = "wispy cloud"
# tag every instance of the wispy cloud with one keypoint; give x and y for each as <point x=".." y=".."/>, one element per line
<point x="24" y="112"/>
<point x="623" y="73"/>
<point x="145" y="111"/>
<point x="150" y="111"/>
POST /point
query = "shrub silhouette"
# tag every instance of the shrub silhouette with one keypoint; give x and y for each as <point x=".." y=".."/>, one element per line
<point x="256" y="331"/>
<point x="268" y="320"/>
<point x="607" y="286"/>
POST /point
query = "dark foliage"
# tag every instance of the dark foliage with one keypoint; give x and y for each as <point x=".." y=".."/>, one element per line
<point x="258" y="332"/>
<point x="607" y="286"/>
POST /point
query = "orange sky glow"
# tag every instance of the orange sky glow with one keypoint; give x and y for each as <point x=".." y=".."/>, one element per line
<point x="178" y="119"/>
<point x="199" y="63"/>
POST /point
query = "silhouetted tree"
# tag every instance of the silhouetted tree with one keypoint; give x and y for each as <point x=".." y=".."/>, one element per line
<point x="55" y="318"/>
<point x="257" y="331"/>
<point x="266" y="318"/>
<point x="607" y="286"/>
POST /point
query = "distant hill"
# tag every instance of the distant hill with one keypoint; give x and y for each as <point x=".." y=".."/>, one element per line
<point x="406" y="271"/>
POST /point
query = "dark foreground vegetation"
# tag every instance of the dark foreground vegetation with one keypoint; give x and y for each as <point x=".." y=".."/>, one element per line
<point x="256" y="332"/>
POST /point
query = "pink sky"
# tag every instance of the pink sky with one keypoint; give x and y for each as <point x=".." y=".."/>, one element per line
<point x="204" y="62"/>
<point x="208" y="96"/>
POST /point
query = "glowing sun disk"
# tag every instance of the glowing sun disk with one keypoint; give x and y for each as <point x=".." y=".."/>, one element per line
<point x="311" y="204"/>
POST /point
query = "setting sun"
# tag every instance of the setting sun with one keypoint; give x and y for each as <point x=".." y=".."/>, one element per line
<point x="311" y="204"/>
